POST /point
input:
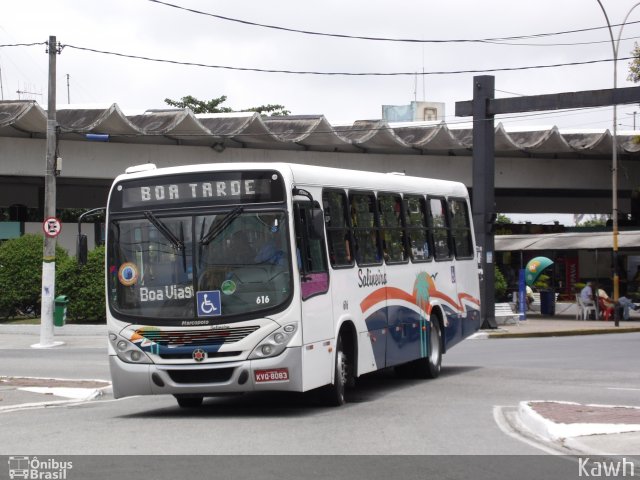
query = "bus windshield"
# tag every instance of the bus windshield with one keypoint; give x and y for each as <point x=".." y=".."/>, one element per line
<point x="224" y="265"/>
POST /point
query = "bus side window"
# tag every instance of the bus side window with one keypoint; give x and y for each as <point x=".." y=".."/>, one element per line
<point x="392" y="228"/>
<point x="440" y="228"/>
<point x="365" y="229"/>
<point x="336" y="213"/>
<point x="417" y="230"/>
<point x="460" y="228"/>
<point x="310" y="250"/>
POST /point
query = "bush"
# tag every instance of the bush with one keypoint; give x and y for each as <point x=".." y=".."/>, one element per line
<point x="500" y="284"/>
<point x="84" y="285"/>
<point x="21" y="274"/>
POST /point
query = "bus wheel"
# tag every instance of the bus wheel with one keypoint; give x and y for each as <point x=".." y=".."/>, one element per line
<point x="188" y="402"/>
<point x="429" y="366"/>
<point x="333" y="395"/>
<point x="434" y="359"/>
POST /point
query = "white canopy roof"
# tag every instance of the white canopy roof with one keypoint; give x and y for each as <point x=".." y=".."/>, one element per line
<point x="301" y="132"/>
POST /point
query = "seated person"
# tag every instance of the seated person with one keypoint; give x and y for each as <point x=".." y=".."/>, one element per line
<point x="530" y="298"/>
<point x="270" y="253"/>
<point x="626" y="304"/>
<point x="605" y="304"/>
<point x="586" y="294"/>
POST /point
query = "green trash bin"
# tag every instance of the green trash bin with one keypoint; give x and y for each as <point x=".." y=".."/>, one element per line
<point x="60" y="311"/>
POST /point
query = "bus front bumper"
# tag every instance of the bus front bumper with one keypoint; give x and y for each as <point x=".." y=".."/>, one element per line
<point x="283" y="373"/>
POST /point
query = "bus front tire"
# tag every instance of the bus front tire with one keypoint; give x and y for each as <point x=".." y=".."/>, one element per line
<point x="188" y="402"/>
<point x="334" y="395"/>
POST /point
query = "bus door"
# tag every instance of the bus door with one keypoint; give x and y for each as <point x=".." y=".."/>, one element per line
<point x="317" y="308"/>
<point x="464" y="269"/>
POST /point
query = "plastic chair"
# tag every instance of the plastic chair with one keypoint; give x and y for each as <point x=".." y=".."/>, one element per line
<point x="584" y="310"/>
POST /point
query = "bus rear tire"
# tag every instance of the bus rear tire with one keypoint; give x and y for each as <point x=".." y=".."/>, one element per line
<point x="433" y="361"/>
<point x="188" y="402"/>
<point x="334" y="395"/>
<point x="430" y="366"/>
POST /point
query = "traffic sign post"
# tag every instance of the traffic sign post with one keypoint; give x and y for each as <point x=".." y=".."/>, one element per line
<point x="51" y="225"/>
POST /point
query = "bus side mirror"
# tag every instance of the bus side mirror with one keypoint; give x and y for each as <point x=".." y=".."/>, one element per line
<point x="317" y="224"/>
<point x="81" y="249"/>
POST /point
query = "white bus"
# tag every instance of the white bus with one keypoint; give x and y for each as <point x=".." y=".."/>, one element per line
<point x="250" y="277"/>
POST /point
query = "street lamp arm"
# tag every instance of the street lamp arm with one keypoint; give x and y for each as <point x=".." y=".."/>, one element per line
<point x="623" y="24"/>
<point x="613" y="43"/>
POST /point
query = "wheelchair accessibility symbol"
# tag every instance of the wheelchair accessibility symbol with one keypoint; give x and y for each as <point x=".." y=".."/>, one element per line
<point x="209" y="304"/>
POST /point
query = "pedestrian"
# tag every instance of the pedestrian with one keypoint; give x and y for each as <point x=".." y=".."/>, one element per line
<point x="626" y="304"/>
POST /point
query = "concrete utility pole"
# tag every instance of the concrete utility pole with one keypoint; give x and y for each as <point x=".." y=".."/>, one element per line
<point x="484" y="107"/>
<point x="484" y="209"/>
<point x="49" y="249"/>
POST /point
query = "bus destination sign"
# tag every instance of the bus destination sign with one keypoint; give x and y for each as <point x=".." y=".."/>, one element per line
<point x="225" y="188"/>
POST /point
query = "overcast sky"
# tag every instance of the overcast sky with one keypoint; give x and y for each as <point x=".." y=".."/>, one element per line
<point x="145" y="28"/>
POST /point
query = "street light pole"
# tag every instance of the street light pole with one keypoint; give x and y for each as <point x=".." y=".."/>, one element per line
<point x="615" y="44"/>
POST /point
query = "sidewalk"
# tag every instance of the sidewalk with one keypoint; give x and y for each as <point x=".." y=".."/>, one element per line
<point x="73" y="335"/>
<point x="563" y="323"/>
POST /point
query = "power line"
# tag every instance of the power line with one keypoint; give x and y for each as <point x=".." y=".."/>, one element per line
<point x="354" y="74"/>
<point x="511" y="93"/>
<point x="379" y="39"/>
<point x="23" y="44"/>
<point x="568" y="44"/>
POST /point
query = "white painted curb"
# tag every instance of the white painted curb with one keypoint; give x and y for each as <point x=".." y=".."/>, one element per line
<point x="552" y="431"/>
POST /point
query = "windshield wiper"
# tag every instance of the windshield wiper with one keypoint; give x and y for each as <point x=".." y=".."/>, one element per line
<point x="176" y="243"/>
<point x="217" y="228"/>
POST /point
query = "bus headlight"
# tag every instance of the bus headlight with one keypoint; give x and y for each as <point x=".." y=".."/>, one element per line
<point x="127" y="351"/>
<point x="275" y="343"/>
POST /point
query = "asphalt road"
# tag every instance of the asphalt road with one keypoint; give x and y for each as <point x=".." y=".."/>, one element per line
<point x="455" y="414"/>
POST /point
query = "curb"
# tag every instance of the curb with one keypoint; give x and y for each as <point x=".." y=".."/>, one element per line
<point x="551" y="431"/>
<point x="561" y="333"/>
<point x="63" y="391"/>
<point x="76" y="330"/>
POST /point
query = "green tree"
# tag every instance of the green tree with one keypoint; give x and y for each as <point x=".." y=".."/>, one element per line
<point x="593" y="221"/>
<point x="21" y="274"/>
<point x="214" y="106"/>
<point x="274" y="110"/>
<point x="634" y="65"/>
<point x="500" y="284"/>
<point x="502" y="219"/>
<point x="200" y="106"/>
<point x="85" y="287"/>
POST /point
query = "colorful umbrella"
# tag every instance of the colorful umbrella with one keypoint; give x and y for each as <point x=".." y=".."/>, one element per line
<point x="535" y="267"/>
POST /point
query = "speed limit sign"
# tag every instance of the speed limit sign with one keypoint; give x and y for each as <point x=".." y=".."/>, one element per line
<point x="52" y="227"/>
